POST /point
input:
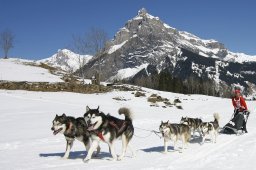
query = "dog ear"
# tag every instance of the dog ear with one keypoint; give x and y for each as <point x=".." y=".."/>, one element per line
<point x="64" y="115"/>
<point x="56" y="116"/>
<point x="98" y="108"/>
<point x="87" y="109"/>
<point x="162" y="122"/>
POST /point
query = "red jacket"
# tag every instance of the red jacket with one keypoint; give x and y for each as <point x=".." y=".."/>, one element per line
<point x="239" y="103"/>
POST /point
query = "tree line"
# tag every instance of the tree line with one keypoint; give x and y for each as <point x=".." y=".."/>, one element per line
<point x="165" y="81"/>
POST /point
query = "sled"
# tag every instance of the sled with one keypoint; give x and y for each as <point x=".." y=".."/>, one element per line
<point x="237" y="123"/>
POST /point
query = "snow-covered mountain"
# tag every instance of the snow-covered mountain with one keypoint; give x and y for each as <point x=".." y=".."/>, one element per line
<point x="147" y="46"/>
<point x="67" y="60"/>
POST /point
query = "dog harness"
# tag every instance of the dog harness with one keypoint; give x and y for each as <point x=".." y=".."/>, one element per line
<point x="119" y="129"/>
<point x="100" y="135"/>
<point x="70" y="126"/>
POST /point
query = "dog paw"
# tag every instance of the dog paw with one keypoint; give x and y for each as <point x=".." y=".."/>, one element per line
<point x="120" y="158"/>
<point x="64" y="157"/>
<point x="114" y="159"/>
<point x="86" y="160"/>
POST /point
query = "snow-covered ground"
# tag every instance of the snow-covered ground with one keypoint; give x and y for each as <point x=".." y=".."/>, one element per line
<point x="27" y="142"/>
<point x="16" y="70"/>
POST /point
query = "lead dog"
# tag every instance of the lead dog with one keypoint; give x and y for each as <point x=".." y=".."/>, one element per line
<point x="106" y="128"/>
<point x="175" y="132"/>
<point x="72" y="128"/>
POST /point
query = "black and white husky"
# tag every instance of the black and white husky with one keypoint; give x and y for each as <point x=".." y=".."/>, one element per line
<point x="72" y="128"/>
<point x="175" y="132"/>
<point x="107" y="128"/>
<point x="193" y="123"/>
<point x="210" y="128"/>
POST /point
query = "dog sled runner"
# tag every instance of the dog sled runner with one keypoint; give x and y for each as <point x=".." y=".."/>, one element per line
<point x="237" y="124"/>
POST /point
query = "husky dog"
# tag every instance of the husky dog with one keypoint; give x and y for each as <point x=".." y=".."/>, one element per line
<point x="175" y="132"/>
<point x="107" y="128"/>
<point x="193" y="123"/>
<point x="210" y="128"/>
<point x="72" y="128"/>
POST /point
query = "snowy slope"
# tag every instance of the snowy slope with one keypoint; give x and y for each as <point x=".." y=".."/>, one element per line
<point x="27" y="142"/>
<point x="18" y="70"/>
<point x="67" y="60"/>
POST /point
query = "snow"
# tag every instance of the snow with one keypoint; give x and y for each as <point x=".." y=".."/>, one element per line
<point x="168" y="26"/>
<point x="201" y="45"/>
<point x="27" y="142"/>
<point x="18" y="70"/>
<point x="248" y="72"/>
<point x="138" y="18"/>
<point x="67" y="60"/>
<point x="127" y="72"/>
<point x="239" y="57"/>
<point x="217" y="75"/>
<point x="116" y="47"/>
<point x="188" y="36"/>
<point x="203" y="54"/>
<point x="151" y="17"/>
<point x="196" y="69"/>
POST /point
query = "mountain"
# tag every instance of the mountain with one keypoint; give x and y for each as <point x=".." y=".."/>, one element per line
<point x="146" y="46"/>
<point x="66" y="60"/>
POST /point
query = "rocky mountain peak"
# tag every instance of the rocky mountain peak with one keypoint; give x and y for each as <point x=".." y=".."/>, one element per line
<point x="142" y="12"/>
<point x="147" y="46"/>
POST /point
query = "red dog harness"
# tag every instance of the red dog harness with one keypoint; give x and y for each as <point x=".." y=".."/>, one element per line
<point x="100" y="135"/>
<point x="113" y="124"/>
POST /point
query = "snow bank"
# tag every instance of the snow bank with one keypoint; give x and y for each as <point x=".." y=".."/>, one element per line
<point x="16" y="70"/>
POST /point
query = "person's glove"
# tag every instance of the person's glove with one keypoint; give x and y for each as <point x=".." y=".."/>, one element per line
<point x="246" y="112"/>
<point x="242" y="108"/>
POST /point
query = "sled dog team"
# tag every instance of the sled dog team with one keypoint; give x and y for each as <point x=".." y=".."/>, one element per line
<point x="95" y="127"/>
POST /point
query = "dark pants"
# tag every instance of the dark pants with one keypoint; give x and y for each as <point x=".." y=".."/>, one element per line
<point x="239" y="120"/>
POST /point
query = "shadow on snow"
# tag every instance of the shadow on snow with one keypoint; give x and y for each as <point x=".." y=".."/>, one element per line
<point x="76" y="155"/>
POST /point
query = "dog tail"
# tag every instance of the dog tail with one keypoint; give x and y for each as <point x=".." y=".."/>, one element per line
<point x="126" y="112"/>
<point x="216" y="117"/>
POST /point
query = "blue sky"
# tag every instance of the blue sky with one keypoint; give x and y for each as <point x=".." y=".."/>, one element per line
<point x="41" y="27"/>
